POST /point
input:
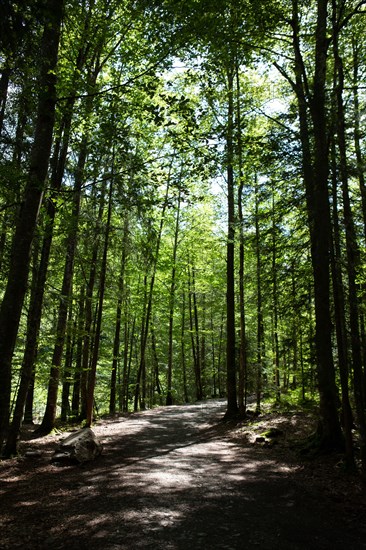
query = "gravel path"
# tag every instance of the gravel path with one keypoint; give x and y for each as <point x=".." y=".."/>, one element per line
<point x="169" y="478"/>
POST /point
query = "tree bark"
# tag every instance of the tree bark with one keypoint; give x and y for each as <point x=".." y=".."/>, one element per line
<point x="340" y="316"/>
<point x="148" y="307"/>
<point x="276" y="352"/>
<point x="193" y="325"/>
<point x="103" y="271"/>
<point x="260" y="326"/>
<point x="88" y="315"/>
<point x="357" y="129"/>
<point x="16" y="287"/>
<point x="4" y="85"/>
<point x="315" y="169"/>
<point x="352" y="250"/>
<point x="169" y="396"/>
<point x="37" y="294"/>
<point x="232" y="405"/>
<point x="49" y="417"/>
<point x="243" y="366"/>
<point x="183" y="349"/>
<point x="117" y="332"/>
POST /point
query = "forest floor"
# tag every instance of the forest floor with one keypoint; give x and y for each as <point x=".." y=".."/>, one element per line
<point x="180" y="478"/>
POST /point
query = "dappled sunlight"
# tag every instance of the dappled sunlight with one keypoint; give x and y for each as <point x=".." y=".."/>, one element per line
<point x="167" y="478"/>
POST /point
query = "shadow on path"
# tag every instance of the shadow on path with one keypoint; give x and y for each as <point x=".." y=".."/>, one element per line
<point x="169" y="478"/>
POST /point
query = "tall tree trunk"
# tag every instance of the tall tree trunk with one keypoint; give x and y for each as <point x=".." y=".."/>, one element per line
<point x="4" y="86"/>
<point x="16" y="287"/>
<point x="142" y="364"/>
<point x="169" y="396"/>
<point x="117" y="332"/>
<point x="357" y="134"/>
<point x="75" y="402"/>
<point x="329" y="429"/>
<point x="87" y="339"/>
<point x="194" y="329"/>
<point x="103" y="271"/>
<point x="58" y="168"/>
<point x="10" y="448"/>
<point x="129" y="336"/>
<point x="260" y="326"/>
<point x="276" y="352"/>
<point x="37" y="294"/>
<point x="22" y="121"/>
<point x="147" y="313"/>
<point x="183" y="349"/>
<point x="315" y="172"/>
<point x="155" y="386"/>
<point x="68" y="371"/>
<point x="232" y="405"/>
<point x="340" y="316"/>
<point x="243" y="367"/>
<point x="353" y="253"/>
<point x="49" y="416"/>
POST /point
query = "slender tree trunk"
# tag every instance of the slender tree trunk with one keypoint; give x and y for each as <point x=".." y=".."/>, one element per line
<point x="68" y="369"/>
<point x="295" y="330"/>
<point x="357" y="134"/>
<point x="146" y="304"/>
<point x="27" y="370"/>
<point x="338" y="286"/>
<point x="89" y="312"/>
<point x="260" y="327"/>
<point x="183" y="349"/>
<point x="95" y="356"/>
<point x="232" y="405"/>
<point x="35" y="311"/>
<point x="191" y="330"/>
<point x="116" y="347"/>
<point x="220" y="383"/>
<point x="315" y="171"/>
<point x="353" y="256"/>
<point x="129" y="336"/>
<point x="194" y="330"/>
<point x="4" y="85"/>
<point x="22" y="121"/>
<point x="49" y="417"/>
<point x="75" y="402"/>
<point x="197" y="338"/>
<point x="117" y="332"/>
<point x="28" y="408"/>
<point x="243" y="368"/>
<point x="3" y="239"/>
<point x="156" y="386"/>
<point x="276" y="352"/>
<point x="16" y="287"/>
<point x="147" y="316"/>
<point x="340" y="317"/>
<point x="169" y="396"/>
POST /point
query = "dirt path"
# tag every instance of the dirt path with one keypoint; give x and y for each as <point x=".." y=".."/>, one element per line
<point x="170" y="478"/>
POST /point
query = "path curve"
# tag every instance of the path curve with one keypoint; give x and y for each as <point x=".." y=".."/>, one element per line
<point x="168" y="478"/>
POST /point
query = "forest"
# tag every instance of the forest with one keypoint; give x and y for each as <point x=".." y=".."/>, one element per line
<point x="183" y="210"/>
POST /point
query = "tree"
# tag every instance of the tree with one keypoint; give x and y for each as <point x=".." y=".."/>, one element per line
<point x="312" y="118"/>
<point x="12" y="302"/>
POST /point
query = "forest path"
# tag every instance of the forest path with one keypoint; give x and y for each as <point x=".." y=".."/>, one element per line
<point x="169" y="478"/>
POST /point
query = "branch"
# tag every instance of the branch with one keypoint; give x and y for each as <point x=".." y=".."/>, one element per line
<point x="118" y="86"/>
<point x="277" y="121"/>
<point x="356" y="11"/>
<point x="282" y="71"/>
<point x="11" y="205"/>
